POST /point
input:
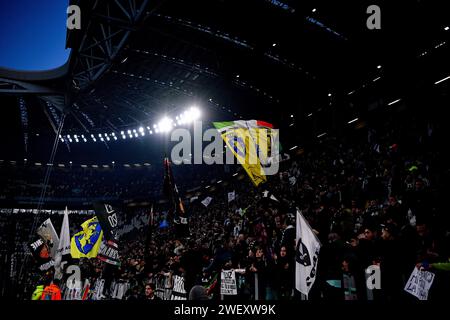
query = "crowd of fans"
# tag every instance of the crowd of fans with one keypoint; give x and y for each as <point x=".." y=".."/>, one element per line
<point x="373" y="203"/>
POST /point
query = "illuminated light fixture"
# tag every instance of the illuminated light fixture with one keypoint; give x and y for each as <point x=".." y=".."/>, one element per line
<point x="274" y="44"/>
<point x="92" y="136"/>
<point x="220" y="181"/>
<point x="61" y="165"/>
<point x="136" y="135"/>
<point x="82" y="136"/>
<point x="156" y="130"/>
<point x="99" y="135"/>
<point x="84" y="139"/>
<point x="351" y="92"/>
<point x="292" y="115"/>
<point x="134" y="130"/>
<point x="321" y="135"/>
<point x="377" y="78"/>
<point x="107" y="138"/>
<point x="115" y="138"/>
<point x="165" y="125"/>
<point x="442" y="80"/>
<point x="126" y="165"/>
<point x="291" y="125"/>
<point x="123" y="137"/>
<point x="354" y="120"/>
<point x="314" y="10"/>
<point x="113" y="134"/>
<point x="379" y="66"/>
<point x="113" y="162"/>
<point x="237" y="76"/>
<point x="392" y="102"/>
<point x="143" y="134"/>
<point x="309" y="115"/>
<point x="94" y="166"/>
<point x="101" y="139"/>
<point x="84" y="166"/>
<point x="38" y="163"/>
<point x="146" y="164"/>
<point x="129" y="131"/>
<point x="95" y="140"/>
<point x="148" y="128"/>
<point x="176" y="118"/>
<point x="154" y="126"/>
<point x="207" y="187"/>
<point x="68" y="136"/>
<point x="105" y="166"/>
<point x="446" y="28"/>
<point x="234" y="175"/>
<point x="137" y="165"/>
<point x="293" y="148"/>
<point x="329" y="94"/>
<point x="141" y="129"/>
<point x="122" y="133"/>
<point x="62" y="140"/>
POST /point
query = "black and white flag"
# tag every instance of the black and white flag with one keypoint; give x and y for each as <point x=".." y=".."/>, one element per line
<point x="306" y="255"/>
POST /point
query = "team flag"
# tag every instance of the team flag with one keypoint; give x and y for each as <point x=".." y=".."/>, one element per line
<point x="251" y="143"/>
<point x="86" y="243"/>
<point x="306" y="256"/>
<point x="48" y="233"/>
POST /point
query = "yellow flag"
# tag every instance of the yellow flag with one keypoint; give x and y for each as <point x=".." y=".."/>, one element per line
<point x="86" y="243"/>
<point x="240" y="143"/>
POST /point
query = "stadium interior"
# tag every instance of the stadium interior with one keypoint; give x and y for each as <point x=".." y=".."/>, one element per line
<point x="361" y="116"/>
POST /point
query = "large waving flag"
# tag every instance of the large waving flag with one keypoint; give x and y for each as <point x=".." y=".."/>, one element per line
<point x="86" y="243"/>
<point x="306" y="256"/>
<point x="250" y="142"/>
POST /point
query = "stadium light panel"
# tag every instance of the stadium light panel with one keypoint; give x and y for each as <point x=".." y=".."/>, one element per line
<point x="165" y="125"/>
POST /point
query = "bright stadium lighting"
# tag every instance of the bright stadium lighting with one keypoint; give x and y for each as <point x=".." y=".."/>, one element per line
<point x="314" y="10"/>
<point x="165" y="125"/>
<point x="156" y="130"/>
<point x="379" y="67"/>
<point x="101" y="139"/>
<point x="142" y="133"/>
<point x="354" y="120"/>
<point x="141" y="129"/>
<point x="321" y="135"/>
<point x="68" y="136"/>
<point x="107" y="138"/>
<point x="134" y="130"/>
<point x="447" y="28"/>
<point x="95" y="140"/>
<point x="395" y="101"/>
<point x="195" y="113"/>
<point x="99" y="135"/>
<point x="234" y="175"/>
<point x="442" y="80"/>
<point x="129" y="131"/>
<point x="84" y="139"/>
<point x="122" y="133"/>
<point x="123" y="137"/>
<point x="135" y="134"/>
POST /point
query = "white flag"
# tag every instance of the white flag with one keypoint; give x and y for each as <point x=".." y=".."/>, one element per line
<point x="64" y="236"/>
<point x="47" y="232"/>
<point x="63" y="246"/>
<point x="306" y="256"/>
<point x="231" y="196"/>
<point x="207" y="201"/>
